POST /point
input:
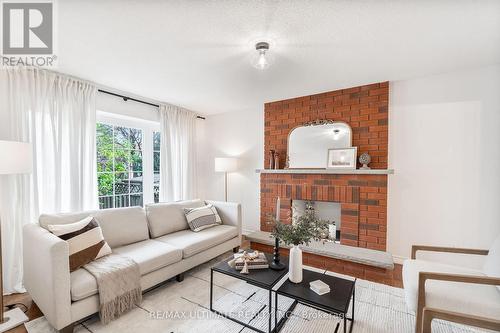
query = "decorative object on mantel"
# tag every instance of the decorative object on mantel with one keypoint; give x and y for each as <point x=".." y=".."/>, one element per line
<point x="276" y="160"/>
<point x="276" y="264"/>
<point x="342" y="158"/>
<point x="308" y="143"/>
<point x="247" y="260"/>
<point x="271" y="159"/>
<point x="365" y="159"/>
<point x="303" y="230"/>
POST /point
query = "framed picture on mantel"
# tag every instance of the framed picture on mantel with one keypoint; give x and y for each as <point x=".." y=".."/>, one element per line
<point x="342" y="158"/>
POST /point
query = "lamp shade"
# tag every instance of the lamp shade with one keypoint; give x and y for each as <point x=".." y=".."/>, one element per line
<point x="15" y="157"/>
<point x="226" y="164"/>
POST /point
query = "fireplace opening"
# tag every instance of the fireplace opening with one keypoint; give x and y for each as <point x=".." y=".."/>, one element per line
<point x="325" y="210"/>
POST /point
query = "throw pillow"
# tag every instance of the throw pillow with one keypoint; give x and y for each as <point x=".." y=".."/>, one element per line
<point x="85" y="239"/>
<point x="202" y="217"/>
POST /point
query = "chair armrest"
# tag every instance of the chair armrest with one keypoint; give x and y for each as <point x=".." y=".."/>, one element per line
<point x="46" y="274"/>
<point x="459" y="318"/>
<point x="230" y="213"/>
<point x="426" y="315"/>
<point x="477" y="279"/>
<point x="416" y="248"/>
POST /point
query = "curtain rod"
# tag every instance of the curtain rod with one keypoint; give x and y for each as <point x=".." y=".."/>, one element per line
<point x="126" y="98"/>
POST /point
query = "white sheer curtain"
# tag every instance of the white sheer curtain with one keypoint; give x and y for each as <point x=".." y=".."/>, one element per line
<point x="177" y="153"/>
<point x="56" y="114"/>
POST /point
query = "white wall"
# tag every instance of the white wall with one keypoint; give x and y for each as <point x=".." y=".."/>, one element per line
<point x="444" y="144"/>
<point x="239" y="134"/>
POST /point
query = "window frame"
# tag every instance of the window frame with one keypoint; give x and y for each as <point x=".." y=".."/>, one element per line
<point x="148" y="128"/>
<point x="153" y="161"/>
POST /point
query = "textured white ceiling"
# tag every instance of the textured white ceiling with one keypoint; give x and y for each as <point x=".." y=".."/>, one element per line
<point x="196" y="53"/>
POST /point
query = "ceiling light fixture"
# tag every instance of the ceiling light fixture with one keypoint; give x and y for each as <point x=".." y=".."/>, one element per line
<point x="262" y="59"/>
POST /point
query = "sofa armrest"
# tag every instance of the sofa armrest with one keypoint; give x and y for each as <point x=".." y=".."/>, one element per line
<point x="230" y="213"/>
<point x="416" y="248"/>
<point x="46" y="274"/>
<point x="435" y="313"/>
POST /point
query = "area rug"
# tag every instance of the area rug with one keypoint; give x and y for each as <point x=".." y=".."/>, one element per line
<point x="184" y="308"/>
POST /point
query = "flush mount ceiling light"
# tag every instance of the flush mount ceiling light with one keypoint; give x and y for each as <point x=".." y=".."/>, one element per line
<point x="262" y="58"/>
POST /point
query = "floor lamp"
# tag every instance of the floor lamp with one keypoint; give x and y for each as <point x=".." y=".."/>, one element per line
<point x="15" y="158"/>
<point x="226" y="165"/>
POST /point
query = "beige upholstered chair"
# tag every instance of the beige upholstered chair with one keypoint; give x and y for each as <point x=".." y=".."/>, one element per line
<point x="454" y="292"/>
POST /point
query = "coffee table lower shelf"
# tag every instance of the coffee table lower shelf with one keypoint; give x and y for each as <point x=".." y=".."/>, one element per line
<point x="340" y="314"/>
<point x="335" y="303"/>
<point x="277" y="324"/>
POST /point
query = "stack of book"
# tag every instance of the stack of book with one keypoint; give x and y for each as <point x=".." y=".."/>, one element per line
<point x="257" y="263"/>
<point x="319" y="287"/>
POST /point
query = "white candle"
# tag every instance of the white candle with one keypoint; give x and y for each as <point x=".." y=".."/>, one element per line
<point x="332" y="230"/>
<point x="278" y="207"/>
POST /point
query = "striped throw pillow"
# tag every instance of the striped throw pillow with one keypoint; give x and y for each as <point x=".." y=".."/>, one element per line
<point x="202" y="217"/>
<point x="85" y="240"/>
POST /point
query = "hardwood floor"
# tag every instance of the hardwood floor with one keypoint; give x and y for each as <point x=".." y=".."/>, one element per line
<point x="26" y="304"/>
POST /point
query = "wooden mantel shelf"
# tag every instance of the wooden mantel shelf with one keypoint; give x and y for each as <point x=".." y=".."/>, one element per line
<point x="328" y="171"/>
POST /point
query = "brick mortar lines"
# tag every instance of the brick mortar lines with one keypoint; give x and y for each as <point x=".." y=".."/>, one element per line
<point x="365" y="109"/>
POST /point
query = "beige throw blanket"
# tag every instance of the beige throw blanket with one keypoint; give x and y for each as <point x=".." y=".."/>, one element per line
<point x="119" y="282"/>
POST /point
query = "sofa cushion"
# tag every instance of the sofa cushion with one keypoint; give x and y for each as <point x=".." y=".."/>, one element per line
<point x="192" y="242"/>
<point x="202" y="217"/>
<point x="492" y="264"/>
<point x="166" y="218"/>
<point x="85" y="240"/>
<point x="150" y="254"/>
<point x="63" y="218"/>
<point x="83" y="285"/>
<point x="120" y="226"/>
<point x="479" y="300"/>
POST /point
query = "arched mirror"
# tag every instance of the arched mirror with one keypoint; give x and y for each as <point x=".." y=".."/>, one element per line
<point x="308" y="144"/>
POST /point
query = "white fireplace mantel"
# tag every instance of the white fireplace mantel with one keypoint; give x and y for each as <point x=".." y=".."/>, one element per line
<point x="329" y="171"/>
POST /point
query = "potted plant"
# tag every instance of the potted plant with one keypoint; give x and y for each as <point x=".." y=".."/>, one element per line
<point x="302" y="230"/>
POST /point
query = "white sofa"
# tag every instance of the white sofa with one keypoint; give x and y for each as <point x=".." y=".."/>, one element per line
<point x="458" y="293"/>
<point x="157" y="238"/>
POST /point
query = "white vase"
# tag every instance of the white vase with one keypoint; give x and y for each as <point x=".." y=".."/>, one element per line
<point x="295" y="265"/>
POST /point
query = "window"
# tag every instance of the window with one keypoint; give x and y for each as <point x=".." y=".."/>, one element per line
<point x="119" y="166"/>
<point x="156" y="165"/>
<point x="128" y="160"/>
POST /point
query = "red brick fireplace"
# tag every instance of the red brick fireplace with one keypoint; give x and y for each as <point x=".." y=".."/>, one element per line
<point x="363" y="197"/>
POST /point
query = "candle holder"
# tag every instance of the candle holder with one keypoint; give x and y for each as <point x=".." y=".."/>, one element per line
<point x="276" y="264"/>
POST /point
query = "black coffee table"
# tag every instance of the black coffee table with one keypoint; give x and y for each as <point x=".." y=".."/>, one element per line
<point x="336" y="302"/>
<point x="262" y="278"/>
